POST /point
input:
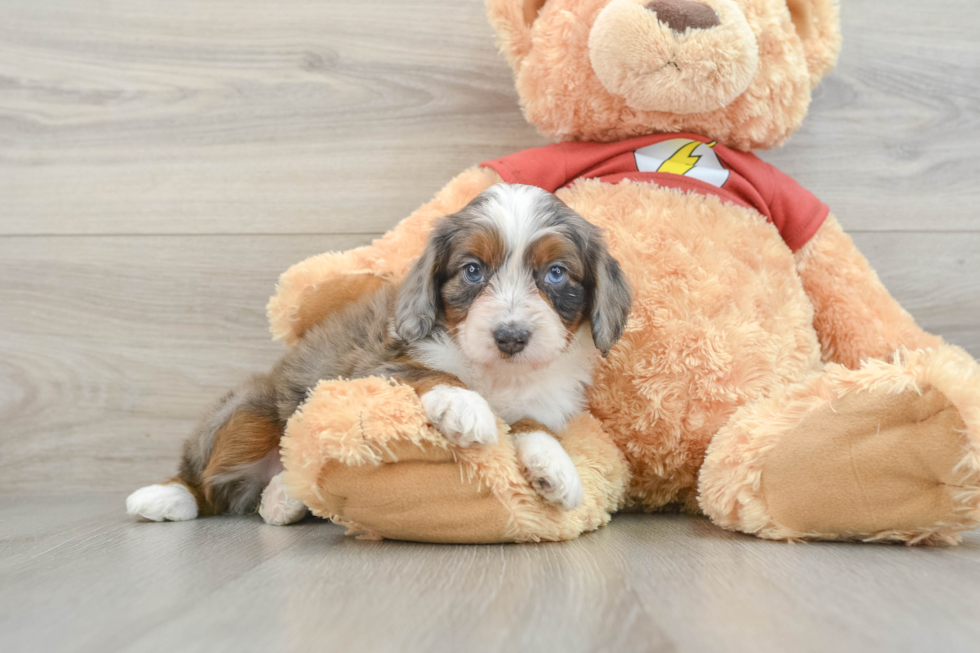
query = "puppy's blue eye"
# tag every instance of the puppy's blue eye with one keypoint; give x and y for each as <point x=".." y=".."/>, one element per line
<point x="556" y="275"/>
<point x="473" y="273"/>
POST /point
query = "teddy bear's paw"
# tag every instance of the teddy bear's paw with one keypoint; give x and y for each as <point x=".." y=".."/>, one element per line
<point x="277" y="507"/>
<point x="166" y="502"/>
<point x="463" y="416"/>
<point x="549" y="470"/>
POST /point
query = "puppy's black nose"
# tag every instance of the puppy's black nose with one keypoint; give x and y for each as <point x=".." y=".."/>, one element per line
<point x="510" y="338"/>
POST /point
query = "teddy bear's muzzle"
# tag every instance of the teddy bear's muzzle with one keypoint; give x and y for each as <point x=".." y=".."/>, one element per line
<point x="678" y="56"/>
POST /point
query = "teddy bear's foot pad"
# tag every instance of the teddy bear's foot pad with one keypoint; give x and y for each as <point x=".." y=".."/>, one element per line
<point x="872" y="465"/>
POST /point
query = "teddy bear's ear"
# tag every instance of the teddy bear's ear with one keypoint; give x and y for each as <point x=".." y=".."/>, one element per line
<point x="512" y="20"/>
<point x="531" y="9"/>
<point x="817" y="23"/>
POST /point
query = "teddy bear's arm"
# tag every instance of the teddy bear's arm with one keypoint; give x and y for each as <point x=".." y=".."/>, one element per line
<point x="325" y="283"/>
<point x="854" y="315"/>
<point x="364" y="454"/>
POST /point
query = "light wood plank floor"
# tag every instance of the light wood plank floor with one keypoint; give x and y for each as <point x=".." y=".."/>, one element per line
<point x="77" y="575"/>
<point x="162" y="162"/>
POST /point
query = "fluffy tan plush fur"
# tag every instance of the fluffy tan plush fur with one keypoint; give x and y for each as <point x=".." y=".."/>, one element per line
<point x="719" y="318"/>
<point x="828" y="267"/>
<point x="755" y="385"/>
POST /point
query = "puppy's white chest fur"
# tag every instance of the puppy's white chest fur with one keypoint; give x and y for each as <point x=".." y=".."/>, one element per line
<point x="550" y="395"/>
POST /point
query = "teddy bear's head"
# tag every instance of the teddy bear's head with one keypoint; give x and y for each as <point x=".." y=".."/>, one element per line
<point x="739" y="71"/>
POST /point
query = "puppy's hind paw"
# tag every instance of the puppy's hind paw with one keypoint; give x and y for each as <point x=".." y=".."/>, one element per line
<point x="278" y="508"/>
<point x="168" y="502"/>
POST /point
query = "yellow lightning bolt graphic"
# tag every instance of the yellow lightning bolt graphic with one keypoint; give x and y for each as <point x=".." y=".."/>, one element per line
<point x="681" y="161"/>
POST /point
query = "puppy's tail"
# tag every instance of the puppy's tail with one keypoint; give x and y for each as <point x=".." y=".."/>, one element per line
<point x="227" y="461"/>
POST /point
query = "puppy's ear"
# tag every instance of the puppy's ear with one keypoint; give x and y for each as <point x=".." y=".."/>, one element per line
<point x="418" y="300"/>
<point x="609" y="296"/>
<point x="611" y="301"/>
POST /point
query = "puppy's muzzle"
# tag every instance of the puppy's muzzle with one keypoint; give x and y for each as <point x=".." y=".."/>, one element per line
<point x="511" y="338"/>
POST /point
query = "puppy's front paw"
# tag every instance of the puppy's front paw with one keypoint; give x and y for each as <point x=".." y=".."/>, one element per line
<point x="463" y="416"/>
<point x="549" y="469"/>
<point x="277" y="507"/>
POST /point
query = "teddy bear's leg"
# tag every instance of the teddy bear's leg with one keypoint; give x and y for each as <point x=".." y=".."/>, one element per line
<point x="325" y="283"/>
<point x="890" y="451"/>
<point x="854" y="315"/>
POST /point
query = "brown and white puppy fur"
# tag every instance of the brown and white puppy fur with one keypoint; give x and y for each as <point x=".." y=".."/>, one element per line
<point x="503" y="314"/>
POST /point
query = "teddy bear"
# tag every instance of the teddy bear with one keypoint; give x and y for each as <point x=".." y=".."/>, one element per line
<point x="766" y="378"/>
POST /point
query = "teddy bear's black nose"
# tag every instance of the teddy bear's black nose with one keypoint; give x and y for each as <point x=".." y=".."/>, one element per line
<point x="678" y="15"/>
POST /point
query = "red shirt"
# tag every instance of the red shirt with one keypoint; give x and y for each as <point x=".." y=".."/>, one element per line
<point x="687" y="162"/>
